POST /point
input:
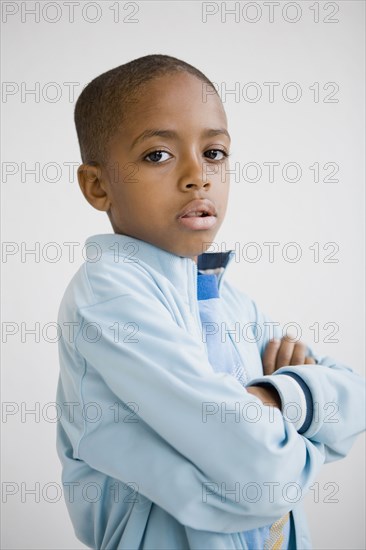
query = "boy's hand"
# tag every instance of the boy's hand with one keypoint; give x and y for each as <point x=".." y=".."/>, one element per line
<point x="279" y="353"/>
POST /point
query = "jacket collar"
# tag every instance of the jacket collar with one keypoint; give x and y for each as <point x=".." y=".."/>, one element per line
<point x="214" y="260"/>
<point x="180" y="270"/>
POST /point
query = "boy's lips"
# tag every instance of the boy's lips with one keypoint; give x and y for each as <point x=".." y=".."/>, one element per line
<point x="200" y="205"/>
<point x="198" y="214"/>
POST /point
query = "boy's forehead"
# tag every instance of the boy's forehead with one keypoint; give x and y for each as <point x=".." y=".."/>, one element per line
<point x="174" y="103"/>
<point x="167" y="101"/>
<point x="174" y="92"/>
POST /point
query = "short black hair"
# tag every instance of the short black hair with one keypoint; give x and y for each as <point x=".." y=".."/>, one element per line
<point x="100" y="108"/>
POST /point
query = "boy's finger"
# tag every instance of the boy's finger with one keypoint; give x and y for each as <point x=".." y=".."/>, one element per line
<point x="309" y="361"/>
<point x="269" y="356"/>
<point x="299" y="354"/>
<point x="284" y="353"/>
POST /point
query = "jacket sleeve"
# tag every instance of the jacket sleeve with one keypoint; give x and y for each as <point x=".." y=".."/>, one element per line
<point x="334" y="393"/>
<point x="202" y="445"/>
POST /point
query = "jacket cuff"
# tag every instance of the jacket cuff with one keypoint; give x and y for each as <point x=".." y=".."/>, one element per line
<point x="295" y="398"/>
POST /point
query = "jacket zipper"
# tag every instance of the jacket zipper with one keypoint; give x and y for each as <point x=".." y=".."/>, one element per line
<point x="195" y="310"/>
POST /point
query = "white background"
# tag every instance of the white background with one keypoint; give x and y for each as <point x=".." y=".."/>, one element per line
<point x="39" y="130"/>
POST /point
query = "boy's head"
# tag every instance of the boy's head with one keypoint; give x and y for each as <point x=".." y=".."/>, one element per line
<point x="153" y="137"/>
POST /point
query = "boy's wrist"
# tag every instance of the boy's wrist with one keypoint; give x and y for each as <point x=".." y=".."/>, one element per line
<point x="267" y="394"/>
<point x="296" y="405"/>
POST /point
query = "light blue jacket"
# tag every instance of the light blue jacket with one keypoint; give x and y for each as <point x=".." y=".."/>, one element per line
<point x="158" y="451"/>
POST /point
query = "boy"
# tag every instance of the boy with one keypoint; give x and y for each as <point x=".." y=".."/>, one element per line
<point x="175" y="434"/>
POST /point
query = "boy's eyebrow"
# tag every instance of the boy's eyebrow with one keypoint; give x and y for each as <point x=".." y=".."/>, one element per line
<point x="207" y="132"/>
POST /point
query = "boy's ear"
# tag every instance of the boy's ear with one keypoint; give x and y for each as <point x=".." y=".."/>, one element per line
<point x="93" y="187"/>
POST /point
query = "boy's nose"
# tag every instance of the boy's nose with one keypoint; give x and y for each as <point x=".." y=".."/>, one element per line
<point x="193" y="174"/>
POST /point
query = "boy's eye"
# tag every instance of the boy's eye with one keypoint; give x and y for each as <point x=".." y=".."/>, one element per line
<point x="156" y="156"/>
<point x="213" y="152"/>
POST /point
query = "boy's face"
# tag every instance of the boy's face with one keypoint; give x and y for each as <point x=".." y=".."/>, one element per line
<point x="149" y="181"/>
